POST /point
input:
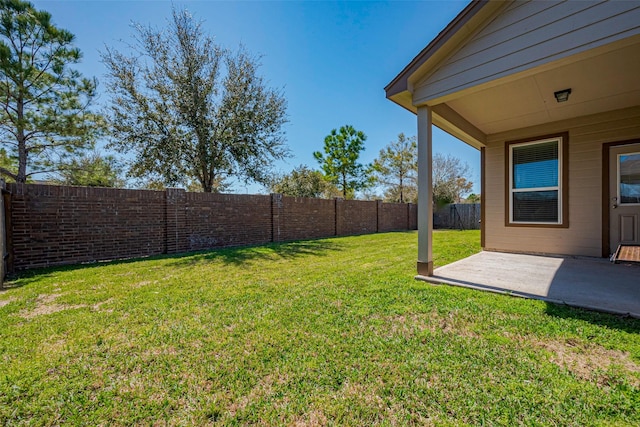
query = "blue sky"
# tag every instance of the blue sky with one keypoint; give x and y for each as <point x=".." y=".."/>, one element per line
<point x="332" y="59"/>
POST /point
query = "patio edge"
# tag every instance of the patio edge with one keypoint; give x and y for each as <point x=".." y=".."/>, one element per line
<point x="435" y="280"/>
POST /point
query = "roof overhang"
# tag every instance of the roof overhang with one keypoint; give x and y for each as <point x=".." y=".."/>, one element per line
<point x="603" y="78"/>
<point x="399" y="89"/>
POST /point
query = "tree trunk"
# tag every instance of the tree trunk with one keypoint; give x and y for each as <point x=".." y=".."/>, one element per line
<point x="21" y="177"/>
<point x="344" y="186"/>
<point x="206" y="183"/>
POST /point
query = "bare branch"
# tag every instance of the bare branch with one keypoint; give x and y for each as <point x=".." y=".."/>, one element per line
<point x="8" y="173"/>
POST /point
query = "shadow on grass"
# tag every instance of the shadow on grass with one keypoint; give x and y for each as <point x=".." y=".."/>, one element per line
<point x="611" y="321"/>
<point x="267" y="252"/>
<point x="229" y="255"/>
<point x="24" y="278"/>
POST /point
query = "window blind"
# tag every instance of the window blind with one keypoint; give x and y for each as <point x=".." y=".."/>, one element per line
<point x="535" y="182"/>
<point x="536" y="165"/>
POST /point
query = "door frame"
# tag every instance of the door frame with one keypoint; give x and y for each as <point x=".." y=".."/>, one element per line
<point x="606" y="197"/>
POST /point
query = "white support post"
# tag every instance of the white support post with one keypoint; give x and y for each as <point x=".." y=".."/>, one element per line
<point x="425" y="192"/>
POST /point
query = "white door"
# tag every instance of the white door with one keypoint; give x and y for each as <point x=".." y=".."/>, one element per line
<point x="624" y="190"/>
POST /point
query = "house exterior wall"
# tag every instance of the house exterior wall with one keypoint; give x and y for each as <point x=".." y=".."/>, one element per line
<point x="527" y="34"/>
<point x="584" y="234"/>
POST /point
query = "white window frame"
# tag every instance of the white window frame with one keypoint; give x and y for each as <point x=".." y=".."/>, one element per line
<point x="557" y="188"/>
<point x="619" y="196"/>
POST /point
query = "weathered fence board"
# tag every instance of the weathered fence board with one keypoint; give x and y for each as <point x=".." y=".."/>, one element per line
<point x="461" y="216"/>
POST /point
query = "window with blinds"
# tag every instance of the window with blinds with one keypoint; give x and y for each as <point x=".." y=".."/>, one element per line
<point x="535" y="182"/>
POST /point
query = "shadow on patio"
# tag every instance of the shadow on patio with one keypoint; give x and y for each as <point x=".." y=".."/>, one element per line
<point x="591" y="283"/>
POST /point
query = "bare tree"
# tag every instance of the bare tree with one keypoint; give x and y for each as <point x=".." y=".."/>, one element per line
<point x="450" y="181"/>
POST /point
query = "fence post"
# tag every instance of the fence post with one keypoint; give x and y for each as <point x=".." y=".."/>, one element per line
<point x="175" y="205"/>
<point x="276" y="217"/>
<point x="339" y="216"/>
<point x="3" y="234"/>
<point x="8" y="257"/>
<point x="378" y="215"/>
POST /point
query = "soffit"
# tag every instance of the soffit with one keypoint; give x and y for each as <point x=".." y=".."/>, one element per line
<point x="605" y="81"/>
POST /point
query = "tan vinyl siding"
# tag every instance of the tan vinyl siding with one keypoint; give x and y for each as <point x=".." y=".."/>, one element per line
<point x="528" y="34"/>
<point x="584" y="235"/>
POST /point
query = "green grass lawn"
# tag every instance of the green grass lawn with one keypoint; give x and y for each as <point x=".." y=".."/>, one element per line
<point x="324" y="332"/>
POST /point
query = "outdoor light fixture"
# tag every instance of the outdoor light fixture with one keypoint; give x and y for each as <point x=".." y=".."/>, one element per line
<point x="562" y="95"/>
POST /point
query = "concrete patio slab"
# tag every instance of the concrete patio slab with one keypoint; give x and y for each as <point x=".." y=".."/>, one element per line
<point x="591" y="283"/>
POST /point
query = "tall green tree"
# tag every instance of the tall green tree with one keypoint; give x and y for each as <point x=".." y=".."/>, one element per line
<point x="396" y="168"/>
<point x="44" y="103"/>
<point x="187" y="109"/>
<point x="339" y="162"/>
<point x="303" y="182"/>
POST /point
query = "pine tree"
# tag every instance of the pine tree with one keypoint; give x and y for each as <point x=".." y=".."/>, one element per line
<point x="44" y="104"/>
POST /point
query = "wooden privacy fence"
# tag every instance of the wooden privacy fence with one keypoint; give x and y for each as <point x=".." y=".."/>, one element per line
<point x="460" y="216"/>
<point x="55" y="225"/>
